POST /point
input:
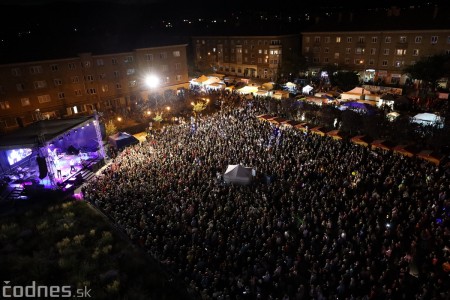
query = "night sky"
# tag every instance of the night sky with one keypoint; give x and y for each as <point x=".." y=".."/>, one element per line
<point x="63" y="28"/>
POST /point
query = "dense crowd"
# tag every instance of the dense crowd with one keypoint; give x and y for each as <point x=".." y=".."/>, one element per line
<point x="322" y="218"/>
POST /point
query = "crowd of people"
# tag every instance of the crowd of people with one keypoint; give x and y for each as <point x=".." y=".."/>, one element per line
<point x="321" y="219"/>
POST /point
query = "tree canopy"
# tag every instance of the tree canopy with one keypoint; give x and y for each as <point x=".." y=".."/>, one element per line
<point x="430" y="69"/>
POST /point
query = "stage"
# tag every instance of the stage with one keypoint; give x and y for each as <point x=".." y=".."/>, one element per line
<point x="55" y="154"/>
<point x="68" y="177"/>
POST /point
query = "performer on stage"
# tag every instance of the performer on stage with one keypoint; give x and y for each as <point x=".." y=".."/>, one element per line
<point x="72" y="166"/>
<point x="58" y="168"/>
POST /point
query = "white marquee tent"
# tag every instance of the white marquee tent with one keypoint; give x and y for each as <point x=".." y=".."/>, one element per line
<point x="307" y="89"/>
<point x="427" y="119"/>
<point x="238" y="174"/>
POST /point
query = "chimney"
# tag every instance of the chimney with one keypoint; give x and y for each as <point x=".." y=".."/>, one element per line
<point x="339" y="17"/>
<point x="317" y="19"/>
<point x="351" y="17"/>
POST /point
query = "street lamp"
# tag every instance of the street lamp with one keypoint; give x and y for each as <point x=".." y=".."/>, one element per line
<point x="152" y="82"/>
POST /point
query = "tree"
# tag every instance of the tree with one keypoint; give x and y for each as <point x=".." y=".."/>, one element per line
<point x="199" y="106"/>
<point x="292" y="65"/>
<point x="158" y="119"/>
<point x="430" y="69"/>
<point x="110" y="128"/>
<point x="345" y="80"/>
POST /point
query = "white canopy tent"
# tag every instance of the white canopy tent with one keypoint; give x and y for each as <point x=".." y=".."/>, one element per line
<point x="211" y="80"/>
<point x="199" y="81"/>
<point x="291" y="86"/>
<point x="248" y="89"/>
<point x="307" y="89"/>
<point x="358" y="93"/>
<point x="428" y="119"/>
<point x="238" y="174"/>
<point x="267" y="86"/>
<point x="216" y="86"/>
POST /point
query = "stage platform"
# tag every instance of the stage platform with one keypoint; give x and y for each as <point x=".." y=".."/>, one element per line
<point x="19" y="182"/>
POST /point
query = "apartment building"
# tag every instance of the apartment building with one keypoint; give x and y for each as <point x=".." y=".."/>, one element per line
<point x="379" y="43"/>
<point x="31" y="91"/>
<point x="248" y="56"/>
<point x="376" y="55"/>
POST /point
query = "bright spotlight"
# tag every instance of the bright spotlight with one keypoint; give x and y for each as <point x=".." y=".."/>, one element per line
<point x="151" y="81"/>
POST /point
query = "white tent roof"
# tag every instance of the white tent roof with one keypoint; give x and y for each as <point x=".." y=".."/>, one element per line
<point x="359" y="91"/>
<point x="217" y="85"/>
<point x="211" y="80"/>
<point x="199" y="80"/>
<point x="426" y="119"/>
<point x="238" y="174"/>
<point x="307" y="89"/>
<point x="248" y="89"/>
<point x="268" y="85"/>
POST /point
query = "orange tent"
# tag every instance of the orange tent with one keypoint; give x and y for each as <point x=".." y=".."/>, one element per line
<point x="303" y="126"/>
<point x="291" y="123"/>
<point x="407" y="150"/>
<point x="320" y="130"/>
<point x="335" y="134"/>
<point x="265" y="117"/>
<point x="382" y="144"/>
<point x="362" y="140"/>
<point x="431" y="156"/>
<point x="276" y="120"/>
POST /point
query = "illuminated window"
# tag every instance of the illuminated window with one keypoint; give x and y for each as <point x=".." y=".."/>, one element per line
<point x="25" y="101"/>
<point x="4" y="105"/>
<point x="44" y="98"/>
<point x="40" y="84"/>
<point x="35" y="69"/>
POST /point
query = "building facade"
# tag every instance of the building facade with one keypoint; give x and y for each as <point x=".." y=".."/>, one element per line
<point x="378" y="56"/>
<point x="248" y="56"/>
<point x="31" y="91"/>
